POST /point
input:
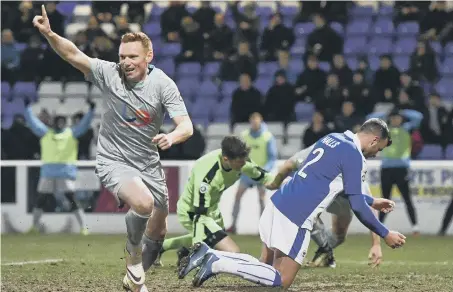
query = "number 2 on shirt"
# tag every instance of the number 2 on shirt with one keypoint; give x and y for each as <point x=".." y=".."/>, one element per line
<point x="319" y="152"/>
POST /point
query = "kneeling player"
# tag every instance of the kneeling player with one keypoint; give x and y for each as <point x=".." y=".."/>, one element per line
<point x="285" y="226"/>
<point x="198" y="207"/>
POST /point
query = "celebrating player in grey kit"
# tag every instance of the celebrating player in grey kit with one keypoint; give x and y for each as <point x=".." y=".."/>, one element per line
<point x="127" y="161"/>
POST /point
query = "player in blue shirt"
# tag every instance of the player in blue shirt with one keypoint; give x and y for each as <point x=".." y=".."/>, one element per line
<point x="337" y="162"/>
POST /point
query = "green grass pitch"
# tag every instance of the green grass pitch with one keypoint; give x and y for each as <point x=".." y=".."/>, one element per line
<point x="95" y="263"/>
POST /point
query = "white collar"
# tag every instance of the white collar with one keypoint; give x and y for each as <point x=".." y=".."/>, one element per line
<point x="356" y="140"/>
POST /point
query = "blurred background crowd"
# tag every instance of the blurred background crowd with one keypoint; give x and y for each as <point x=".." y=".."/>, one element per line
<point x="309" y="68"/>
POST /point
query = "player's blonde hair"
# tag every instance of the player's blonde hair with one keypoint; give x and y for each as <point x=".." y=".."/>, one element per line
<point x="141" y="37"/>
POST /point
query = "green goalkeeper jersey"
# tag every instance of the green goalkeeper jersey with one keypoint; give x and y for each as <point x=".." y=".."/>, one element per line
<point x="209" y="179"/>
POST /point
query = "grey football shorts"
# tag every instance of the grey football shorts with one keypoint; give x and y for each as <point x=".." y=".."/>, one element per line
<point x="340" y="206"/>
<point x="55" y="185"/>
<point x="114" y="174"/>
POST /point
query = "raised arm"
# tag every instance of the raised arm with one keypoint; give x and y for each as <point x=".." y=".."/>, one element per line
<point x="271" y="154"/>
<point x="37" y="127"/>
<point x="84" y="124"/>
<point x="414" y="117"/>
<point x="63" y="47"/>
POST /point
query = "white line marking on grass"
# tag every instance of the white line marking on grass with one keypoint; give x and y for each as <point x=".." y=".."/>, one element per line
<point x="402" y="263"/>
<point x="47" y="261"/>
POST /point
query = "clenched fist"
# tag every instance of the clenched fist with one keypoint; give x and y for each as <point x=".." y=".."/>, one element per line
<point x="41" y="22"/>
<point x="163" y="141"/>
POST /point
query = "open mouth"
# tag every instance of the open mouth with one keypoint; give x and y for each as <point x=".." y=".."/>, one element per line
<point x="129" y="69"/>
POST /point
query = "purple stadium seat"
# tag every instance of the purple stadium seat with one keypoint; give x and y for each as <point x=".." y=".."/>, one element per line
<point x="358" y="27"/>
<point x="156" y="11"/>
<point x="449" y="152"/>
<point x="5" y="90"/>
<point x="66" y="7"/>
<point x="380" y="45"/>
<point x="402" y="62"/>
<point x="221" y="111"/>
<point x="20" y="46"/>
<point x="355" y="45"/>
<point x="353" y="63"/>
<point x="431" y="151"/>
<point x="445" y="87"/>
<point x="167" y="65"/>
<point x="211" y="69"/>
<point x="298" y="49"/>
<point x="25" y="90"/>
<point x="208" y="89"/>
<point x="324" y="66"/>
<point x="203" y="108"/>
<point x="386" y="10"/>
<point x="189" y="69"/>
<point x="263" y="84"/>
<point x="264" y="23"/>
<point x="13" y="107"/>
<point x="267" y="69"/>
<point x="296" y="65"/>
<point x="408" y="28"/>
<point x="288" y="11"/>
<point x="230" y="23"/>
<point x="338" y="27"/>
<point x="288" y="21"/>
<point x="304" y="111"/>
<point x="7" y="121"/>
<point x="303" y="29"/>
<point x="227" y="88"/>
<point x="405" y="46"/>
<point x="448" y="51"/>
<point x="170" y="50"/>
<point x="447" y="66"/>
<point x="373" y="60"/>
<point x="359" y="11"/>
<point x="264" y="11"/>
<point x="152" y="29"/>
<point x="383" y="27"/>
<point x="437" y="47"/>
<point x="188" y="87"/>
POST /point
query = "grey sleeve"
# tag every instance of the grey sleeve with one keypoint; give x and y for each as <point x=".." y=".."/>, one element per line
<point x="102" y="72"/>
<point x="300" y="156"/>
<point x="172" y="100"/>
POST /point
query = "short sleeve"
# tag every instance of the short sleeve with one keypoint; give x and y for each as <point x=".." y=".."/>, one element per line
<point x="352" y="165"/>
<point x="300" y="156"/>
<point x="101" y="73"/>
<point x="256" y="173"/>
<point x="172" y="100"/>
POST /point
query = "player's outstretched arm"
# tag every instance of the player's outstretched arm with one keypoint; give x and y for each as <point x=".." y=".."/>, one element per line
<point x="63" y="47"/>
<point x="182" y="132"/>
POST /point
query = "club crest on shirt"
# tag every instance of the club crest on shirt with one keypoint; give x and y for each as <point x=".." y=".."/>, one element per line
<point x="204" y="188"/>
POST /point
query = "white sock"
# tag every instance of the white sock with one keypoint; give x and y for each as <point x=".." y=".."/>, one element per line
<point x="37" y="214"/>
<point x="255" y="272"/>
<point x="80" y="216"/>
<point x="234" y="256"/>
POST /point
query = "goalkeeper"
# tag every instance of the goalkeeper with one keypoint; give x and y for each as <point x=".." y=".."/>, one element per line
<point x="198" y="206"/>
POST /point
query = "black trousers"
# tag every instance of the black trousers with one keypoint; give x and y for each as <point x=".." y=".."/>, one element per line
<point x="398" y="176"/>
<point x="447" y="218"/>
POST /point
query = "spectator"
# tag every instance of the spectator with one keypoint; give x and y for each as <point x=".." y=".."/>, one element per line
<point x="434" y="21"/>
<point x="122" y="27"/>
<point x="192" y="41"/>
<point x="446" y="35"/>
<point x="237" y="64"/>
<point x="413" y="89"/>
<point x="136" y="11"/>
<point x="306" y="11"/>
<point x="386" y="81"/>
<point x="171" y="18"/>
<point x="22" y="26"/>
<point x="45" y="117"/>
<point x="55" y="17"/>
<point x="423" y="63"/>
<point x="19" y="141"/>
<point x="220" y="39"/>
<point x="31" y="60"/>
<point x="364" y="68"/>
<point x="311" y="80"/>
<point x="342" y="70"/>
<point x="359" y="93"/>
<point x="104" y="10"/>
<point x="246" y="100"/>
<point x="192" y="149"/>
<point x="324" y="42"/>
<point x="329" y="101"/>
<point x="84" y="139"/>
<point x="336" y="11"/>
<point x="283" y="63"/>
<point x="205" y="16"/>
<point x="94" y="30"/>
<point x="403" y="101"/>
<point x="276" y="37"/>
<point x="10" y="57"/>
<point x="434" y="126"/>
<point x="410" y="11"/>
<point x="280" y="100"/>
<point x="348" y="118"/>
<point x="247" y="25"/>
<point x="333" y="10"/>
<point x="104" y="49"/>
<point x="316" y="131"/>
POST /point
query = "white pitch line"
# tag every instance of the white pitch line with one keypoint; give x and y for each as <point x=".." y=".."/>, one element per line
<point x="402" y="263"/>
<point x="48" y="261"/>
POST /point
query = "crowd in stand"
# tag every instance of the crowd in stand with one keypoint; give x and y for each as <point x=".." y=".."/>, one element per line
<point x="342" y="97"/>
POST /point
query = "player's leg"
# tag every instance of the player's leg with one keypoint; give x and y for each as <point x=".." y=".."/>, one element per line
<point x="387" y="182"/>
<point x="262" y="197"/>
<point x="447" y="218"/>
<point x="45" y="190"/>
<point x="402" y="182"/>
<point x="243" y="186"/>
<point x="211" y="231"/>
<point x="267" y="255"/>
<point x="68" y="188"/>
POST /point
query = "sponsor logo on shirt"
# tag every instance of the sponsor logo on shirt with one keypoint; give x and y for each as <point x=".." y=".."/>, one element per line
<point x="136" y="118"/>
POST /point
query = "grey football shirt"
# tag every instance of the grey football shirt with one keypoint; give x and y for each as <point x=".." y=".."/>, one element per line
<point x="132" y="114"/>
